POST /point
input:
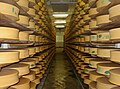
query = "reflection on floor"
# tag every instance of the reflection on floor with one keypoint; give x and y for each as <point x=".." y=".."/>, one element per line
<point x="61" y="75"/>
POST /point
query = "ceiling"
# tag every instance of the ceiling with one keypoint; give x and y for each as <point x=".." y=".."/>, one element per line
<point x="60" y="6"/>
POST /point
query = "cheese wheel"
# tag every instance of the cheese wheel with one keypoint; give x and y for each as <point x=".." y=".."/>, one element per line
<point x="31" y="12"/>
<point x="31" y="63"/>
<point x="24" y="83"/>
<point x="104" y="68"/>
<point x="23" y="53"/>
<point x="115" y="76"/>
<point x="82" y="21"/>
<point x="87" y="38"/>
<point x="88" y="69"/>
<point x="32" y="85"/>
<point x="87" y="80"/>
<point x="23" y="69"/>
<point x="11" y="57"/>
<point x="103" y="83"/>
<point x="95" y="62"/>
<point x="83" y="66"/>
<point x="115" y="55"/>
<point x="9" y="11"/>
<point x="32" y="38"/>
<point x="86" y="17"/>
<point x="104" y="36"/>
<point x="13" y="33"/>
<point x="23" y="36"/>
<point x="39" y="66"/>
<point x="104" y="52"/>
<point x="23" y="4"/>
<point x="23" y="20"/>
<point x="36" y="7"/>
<point x="94" y="75"/>
<point x="40" y="75"/>
<point x="114" y="34"/>
<point x="102" y="3"/>
<point x="87" y="49"/>
<point x="36" y="27"/>
<point x="37" y="39"/>
<point x="30" y="76"/>
<point x="93" y="24"/>
<point x="32" y="1"/>
<point x="40" y="57"/>
<point x="35" y="59"/>
<point x="93" y="37"/>
<point x="37" y="80"/>
<point x="36" y="70"/>
<point x="37" y="17"/>
<point x="8" y="77"/>
<point x="83" y="75"/>
<point x="103" y="19"/>
<point x="93" y="11"/>
<point x="31" y="25"/>
<point x="86" y="28"/>
<point x="114" y="13"/>
<point x="87" y="59"/>
<point x="92" y="85"/>
<point x="93" y="51"/>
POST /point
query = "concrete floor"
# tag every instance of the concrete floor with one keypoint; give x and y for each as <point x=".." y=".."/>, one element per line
<point x="61" y="75"/>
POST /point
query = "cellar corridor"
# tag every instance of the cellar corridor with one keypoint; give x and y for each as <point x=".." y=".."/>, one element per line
<point x="61" y="75"/>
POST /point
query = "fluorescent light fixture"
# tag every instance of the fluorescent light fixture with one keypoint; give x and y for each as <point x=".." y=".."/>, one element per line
<point x="60" y="26"/>
<point x="60" y="15"/>
<point x="60" y="21"/>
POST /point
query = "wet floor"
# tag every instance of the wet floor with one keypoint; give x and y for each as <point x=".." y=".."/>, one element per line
<point x="61" y="75"/>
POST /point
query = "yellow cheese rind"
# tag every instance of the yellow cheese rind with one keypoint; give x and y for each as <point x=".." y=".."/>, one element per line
<point x="92" y="85"/>
<point x="37" y="80"/>
<point x="11" y="57"/>
<point x="30" y="76"/>
<point x="9" y="10"/>
<point x="31" y="12"/>
<point x="13" y="33"/>
<point x="23" y="4"/>
<point x="115" y="34"/>
<point x="23" y="20"/>
<point x="23" y="69"/>
<point x="8" y="77"/>
<point x="115" y="56"/>
<point x="23" y="36"/>
<point x="36" y="70"/>
<point x="24" y="83"/>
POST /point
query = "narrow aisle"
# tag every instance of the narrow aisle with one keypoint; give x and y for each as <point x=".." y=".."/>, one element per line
<point x="61" y="75"/>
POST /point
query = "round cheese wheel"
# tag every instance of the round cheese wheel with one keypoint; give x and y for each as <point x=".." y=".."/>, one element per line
<point x="36" y="70"/>
<point x="115" y="55"/>
<point x="104" y="68"/>
<point x="37" y="39"/>
<point x="32" y="1"/>
<point x="23" y="69"/>
<point x="37" y="17"/>
<point x="83" y="75"/>
<point x="102" y="4"/>
<point x="88" y="69"/>
<point x="93" y="24"/>
<point x="24" y="83"/>
<point x="94" y="75"/>
<point x="93" y="37"/>
<point x="87" y="38"/>
<point x="32" y="85"/>
<point x="37" y="28"/>
<point x="80" y="63"/>
<point x="23" y="36"/>
<point x="93" y="11"/>
<point x="93" y="51"/>
<point x="86" y="50"/>
<point x="31" y="63"/>
<point x="36" y="7"/>
<point x="115" y="76"/>
<point x="30" y="76"/>
<point x="40" y="57"/>
<point x="32" y="38"/>
<point x="104" y="36"/>
<point x="37" y="49"/>
<point x="95" y="62"/>
<point x="40" y="75"/>
<point x="86" y="28"/>
<point x="104" y="52"/>
<point x="9" y="11"/>
<point x="39" y="66"/>
<point x="114" y="34"/>
<point x="35" y="59"/>
<point x="31" y="25"/>
<point x="11" y="57"/>
<point x="103" y="19"/>
<point x="103" y="83"/>
<point x="8" y="77"/>
<point x="87" y="59"/>
<point x="87" y="80"/>
<point x="37" y="80"/>
<point x="86" y="17"/>
<point x="114" y="13"/>
<point x="23" y="20"/>
<point x="83" y="66"/>
<point x="23" y="4"/>
<point x="31" y="12"/>
<point x="13" y="33"/>
<point x="92" y="85"/>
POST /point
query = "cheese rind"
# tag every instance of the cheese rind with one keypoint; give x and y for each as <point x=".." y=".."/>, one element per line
<point x="115" y="34"/>
<point x="115" y="56"/>
<point x="23" y="36"/>
<point x="23" y="20"/>
<point x="23" y="4"/>
<point x="30" y="76"/>
<point x="13" y="33"/>
<point x="31" y="12"/>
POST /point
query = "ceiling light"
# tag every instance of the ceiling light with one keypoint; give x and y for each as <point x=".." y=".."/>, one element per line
<point x="60" y="26"/>
<point x="60" y="21"/>
<point x="60" y="15"/>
